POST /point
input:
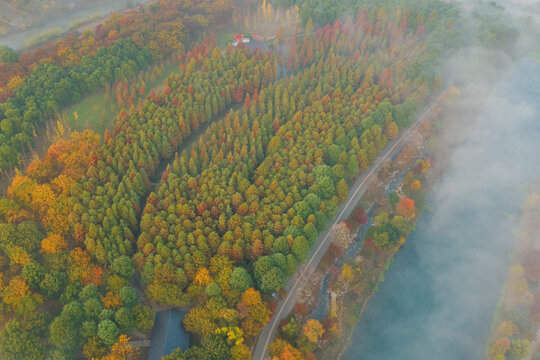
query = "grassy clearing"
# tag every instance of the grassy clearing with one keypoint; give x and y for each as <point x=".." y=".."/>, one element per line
<point x="98" y="111"/>
<point x="169" y="69"/>
<point x="226" y="36"/>
<point x="94" y="112"/>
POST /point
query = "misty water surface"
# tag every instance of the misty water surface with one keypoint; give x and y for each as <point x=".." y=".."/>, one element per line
<point x="439" y="295"/>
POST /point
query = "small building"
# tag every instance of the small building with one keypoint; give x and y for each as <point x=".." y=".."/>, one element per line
<point x="240" y="39"/>
<point x="168" y="334"/>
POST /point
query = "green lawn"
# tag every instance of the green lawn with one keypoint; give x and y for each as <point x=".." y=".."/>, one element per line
<point x="169" y="69"/>
<point x="227" y="33"/>
<point x="97" y="111"/>
<point x="225" y="37"/>
<point x="94" y="112"/>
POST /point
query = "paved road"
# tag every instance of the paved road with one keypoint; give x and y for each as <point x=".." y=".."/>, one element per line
<point x="356" y="191"/>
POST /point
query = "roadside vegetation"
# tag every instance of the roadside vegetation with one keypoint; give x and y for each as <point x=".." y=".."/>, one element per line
<point x="355" y="277"/>
<point x="517" y="319"/>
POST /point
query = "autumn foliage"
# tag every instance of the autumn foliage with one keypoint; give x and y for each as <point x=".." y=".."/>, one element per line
<point x="406" y="208"/>
<point x="230" y="218"/>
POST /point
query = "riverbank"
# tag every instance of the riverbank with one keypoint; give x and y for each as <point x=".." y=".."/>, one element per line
<point x="393" y="201"/>
<point x="416" y="165"/>
<point x="516" y="324"/>
<point x="452" y="267"/>
<point x="410" y="175"/>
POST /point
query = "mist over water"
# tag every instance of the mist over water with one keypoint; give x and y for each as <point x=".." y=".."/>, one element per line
<point x="439" y="295"/>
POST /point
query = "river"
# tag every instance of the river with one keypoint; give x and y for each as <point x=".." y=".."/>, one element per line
<point x="438" y="299"/>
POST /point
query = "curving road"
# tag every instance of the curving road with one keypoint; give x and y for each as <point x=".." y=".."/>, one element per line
<point x="356" y="191"/>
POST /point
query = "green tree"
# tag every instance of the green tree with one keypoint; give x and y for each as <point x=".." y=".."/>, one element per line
<point x="519" y="348"/>
<point x="64" y="333"/>
<point x="352" y="166"/>
<point x="401" y="224"/>
<point x="71" y="293"/>
<point x="129" y="296"/>
<point x="273" y="280"/>
<point x="89" y="292"/>
<point x="310" y="232"/>
<point x="17" y="343"/>
<point x="291" y="329"/>
<point x="124" y="267"/>
<point x="53" y="284"/>
<point x="313" y="201"/>
<point x="380" y="239"/>
<point x="106" y="314"/>
<point x="324" y="187"/>
<point x="125" y="320"/>
<point x="321" y="220"/>
<point x="64" y="330"/>
<point x="34" y="273"/>
<point x="26" y="306"/>
<point x="144" y="317"/>
<point x="342" y="190"/>
<point x="393" y="199"/>
<point x="216" y="348"/>
<point x="108" y="331"/>
<point x="300" y="248"/>
<point x="8" y="55"/>
<point x="89" y="328"/>
<point x="213" y="289"/>
<point x="333" y="153"/>
<point x="240" y="279"/>
<point x="303" y="209"/>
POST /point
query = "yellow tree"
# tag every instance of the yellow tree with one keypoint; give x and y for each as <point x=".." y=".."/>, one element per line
<point x="19" y="256"/>
<point x="202" y="277"/>
<point x="347" y="274"/>
<point x="15" y="291"/>
<point x="122" y="350"/>
<point x="416" y="185"/>
<point x="240" y="352"/>
<point x="313" y="330"/>
<point x="251" y="297"/>
<point x="53" y="244"/>
<point x="507" y="329"/>
<point x="392" y="130"/>
<point x="111" y="300"/>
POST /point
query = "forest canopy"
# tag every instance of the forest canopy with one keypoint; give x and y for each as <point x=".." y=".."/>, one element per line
<point x="210" y="192"/>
